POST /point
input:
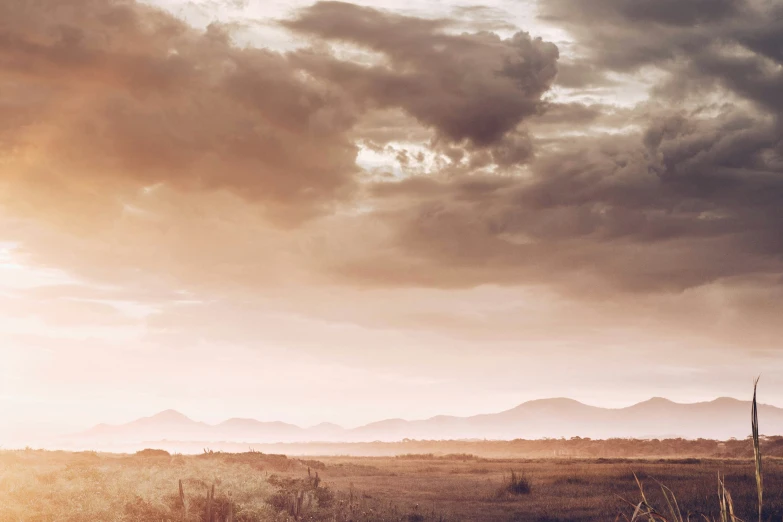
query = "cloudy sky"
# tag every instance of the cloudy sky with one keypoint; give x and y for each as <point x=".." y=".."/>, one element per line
<point x="394" y="208"/>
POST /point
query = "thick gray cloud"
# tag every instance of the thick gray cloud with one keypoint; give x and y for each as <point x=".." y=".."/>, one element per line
<point x="689" y="201"/>
<point x="736" y="44"/>
<point x="687" y="190"/>
<point x="643" y="12"/>
<point x="474" y="87"/>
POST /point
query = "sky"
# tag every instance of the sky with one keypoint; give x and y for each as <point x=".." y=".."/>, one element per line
<point x="347" y="212"/>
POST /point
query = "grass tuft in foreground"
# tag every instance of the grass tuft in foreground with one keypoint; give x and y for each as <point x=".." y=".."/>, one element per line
<point x="645" y="511"/>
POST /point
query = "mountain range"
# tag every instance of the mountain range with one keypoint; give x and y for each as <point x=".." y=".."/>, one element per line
<point x="721" y="418"/>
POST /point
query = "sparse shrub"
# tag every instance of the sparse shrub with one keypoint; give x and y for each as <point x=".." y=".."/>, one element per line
<point x="517" y="484"/>
<point x="301" y="497"/>
<point x="216" y="505"/>
<point x="315" y="464"/>
<point x="460" y="456"/>
<point x="280" y="501"/>
<point x="148" y="452"/>
<point x="88" y="454"/>
<point x="324" y="497"/>
<point x="416" y="456"/>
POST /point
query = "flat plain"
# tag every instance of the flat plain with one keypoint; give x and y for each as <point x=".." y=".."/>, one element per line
<point x="38" y="486"/>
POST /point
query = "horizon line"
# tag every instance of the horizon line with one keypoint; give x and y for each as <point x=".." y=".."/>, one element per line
<point x="307" y="427"/>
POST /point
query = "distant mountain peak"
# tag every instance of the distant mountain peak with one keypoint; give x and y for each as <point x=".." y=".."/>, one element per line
<point x="658" y="400"/>
<point x="327" y="425"/>
<point x="555" y="402"/>
<point x="720" y="418"/>
<point x="240" y="420"/>
<point x="170" y="416"/>
<point x="726" y="400"/>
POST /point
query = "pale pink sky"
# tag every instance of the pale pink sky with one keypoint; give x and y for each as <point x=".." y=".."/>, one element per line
<point x="295" y="215"/>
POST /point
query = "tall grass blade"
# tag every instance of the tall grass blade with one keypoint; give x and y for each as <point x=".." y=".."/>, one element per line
<point x="754" y="421"/>
<point x="210" y="498"/>
<point x="182" y="498"/>
<point x="671" y="501"/>
<point x="637" y="512"/>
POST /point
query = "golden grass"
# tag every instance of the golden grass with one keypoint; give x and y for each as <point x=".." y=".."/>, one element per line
<point x="37" y="486"/>
<point x="53" y="486"/>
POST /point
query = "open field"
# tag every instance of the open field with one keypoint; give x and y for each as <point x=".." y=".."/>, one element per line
<point x="59" y="486"/>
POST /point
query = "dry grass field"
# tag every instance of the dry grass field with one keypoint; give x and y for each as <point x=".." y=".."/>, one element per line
<point x="38" y="486"/>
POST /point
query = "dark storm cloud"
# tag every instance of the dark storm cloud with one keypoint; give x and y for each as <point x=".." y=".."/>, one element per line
<point x="642" y="12"/>
<point x="474" y="87"/>
<point x="692" y="199"/>
<point x="735" y="44"/>
<point x="689" y="193"/>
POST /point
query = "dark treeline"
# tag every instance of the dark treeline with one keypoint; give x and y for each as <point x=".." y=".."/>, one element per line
<point x="577" y="447"/>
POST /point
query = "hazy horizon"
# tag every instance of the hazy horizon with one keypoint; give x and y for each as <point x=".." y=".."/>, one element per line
<point x="382" y="418"/>
<point x="323" y="211"/>
<point x="553" y="418"/>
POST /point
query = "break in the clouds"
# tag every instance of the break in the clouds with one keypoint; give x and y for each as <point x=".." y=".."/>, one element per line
<point x="393" y="181"/>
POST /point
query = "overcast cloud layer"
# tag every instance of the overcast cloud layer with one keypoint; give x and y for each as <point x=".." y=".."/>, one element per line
<point x="426" y="195"/>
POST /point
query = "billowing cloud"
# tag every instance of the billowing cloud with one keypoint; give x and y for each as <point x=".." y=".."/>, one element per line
<point x="684" y="191"/>
<point x="474" y="87"/>
<point x="119" y="111"/>
<point x="104" y="96"/>
<point x="705" y="44"/>
<point x="689" y="201"/>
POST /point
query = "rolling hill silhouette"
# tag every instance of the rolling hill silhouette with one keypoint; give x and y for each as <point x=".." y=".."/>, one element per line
<point x="722" y="418"/>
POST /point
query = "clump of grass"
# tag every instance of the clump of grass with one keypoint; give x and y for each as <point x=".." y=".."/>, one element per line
<point x="315" y="464"/>
<point x="726" y="504"/>
<point x="460" y="456"/>
<point x="303" y="498"/>
<point x="416" y="456"/>
<point x="148" y="452"/>
<point x="516" y="484"/>
<point x="645" y="511"/>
